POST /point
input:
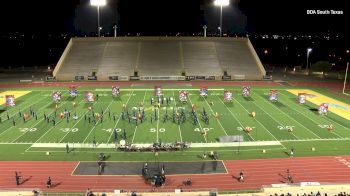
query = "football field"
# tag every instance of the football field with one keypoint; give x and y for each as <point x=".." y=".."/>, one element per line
<point x="284" y="120"/>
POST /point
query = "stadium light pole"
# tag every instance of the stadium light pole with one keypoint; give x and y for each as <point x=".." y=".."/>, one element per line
<point x="221" y="3"/>
<point x="115" y="30"/>
<point x="307" y="58"/>
<point x="346" y="72"/>
<point x="98" y="3"/>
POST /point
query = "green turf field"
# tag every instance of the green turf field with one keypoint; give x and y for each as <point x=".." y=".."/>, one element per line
<point x="270" y="124"/>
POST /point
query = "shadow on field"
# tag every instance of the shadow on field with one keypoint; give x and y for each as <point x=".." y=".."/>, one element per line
<point x="70" y="99"/>
<point x="19" y="102"/>
<point x="118" y="98"/>
<point x="248" y="98"/>
<point x="52" y="106"/>
<point x="279" y="104"/>
<point x="229" y="104"/>
<point x="86" y="105"/>
<point x="315" y="110"/>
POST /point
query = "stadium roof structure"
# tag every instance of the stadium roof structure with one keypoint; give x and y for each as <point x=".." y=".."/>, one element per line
<point x="159" y="56"/>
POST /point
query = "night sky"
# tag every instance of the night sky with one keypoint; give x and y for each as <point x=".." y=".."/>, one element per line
<point x="36" y="32"/>
<point x="158" y="17"/>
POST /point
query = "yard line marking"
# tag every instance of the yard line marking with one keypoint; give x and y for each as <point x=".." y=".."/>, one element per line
<point x="49" y="129"/>
<point x="104" y="112"/>
<point x="276" y="120"/>
<point x="306" y="115"/>
<point x="235" y="117"/>
<point x="291" y="118"/>
<point x="322" y="139"/>
<point x="75" y="124"/>
<point x="158" y="124"/>
<point x="115" y="125"/>
<point x="35" y="123"/>
<point x="199" y="123"/>
<point x="176" y="109"/>
<point x="260" y="123"/>
<point x="143" y="102"/>
<point x="39" y="138"/>
<point x="214" y="114"/>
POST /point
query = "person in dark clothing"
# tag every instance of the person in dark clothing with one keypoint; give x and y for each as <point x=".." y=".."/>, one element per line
<point x="67" y="148"/>
<point x="35" y="193"/>
<point x="100" y="167"/>
<point x="18" y="178"/>
<point x="49" y="182"/>
<point x="241" y="176"/>
<point x="89" y="192"/>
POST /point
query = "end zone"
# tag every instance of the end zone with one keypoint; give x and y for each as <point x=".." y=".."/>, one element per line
<point x="17" y="94"/>
<point x="335" y="106"/>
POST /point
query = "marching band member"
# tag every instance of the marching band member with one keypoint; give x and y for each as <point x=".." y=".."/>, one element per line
<point x="253" y="114"/>
<point x="248" y="129"/>
<point x="216" y="115"/>
<point x="330" y="128"/>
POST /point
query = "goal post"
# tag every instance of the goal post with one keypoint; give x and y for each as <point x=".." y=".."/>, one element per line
<point x="345" y="89"/>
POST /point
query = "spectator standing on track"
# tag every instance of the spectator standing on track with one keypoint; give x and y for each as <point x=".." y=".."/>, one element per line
<point x="48" y="182"/>
<point x="89" y="192"/>
<point x="241" y="176"/>
<point x="99" y="163"/>
<point x="289" y="177"/>
<point x="35" y="193"/>
<point x="18" y="177"/>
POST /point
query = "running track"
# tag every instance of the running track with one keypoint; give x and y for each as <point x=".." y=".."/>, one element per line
<point x="258" y="172"/>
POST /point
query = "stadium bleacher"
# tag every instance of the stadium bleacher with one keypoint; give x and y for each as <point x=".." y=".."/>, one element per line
<point x="159" y="56"/>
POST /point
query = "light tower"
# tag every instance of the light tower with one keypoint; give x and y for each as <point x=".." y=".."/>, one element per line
<point x="307" y="59"/>
<point x="115" y="30"/>
<point x="205" y="30"/>
<point x="221" y="3"/>
<point x="98" y="3"/>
